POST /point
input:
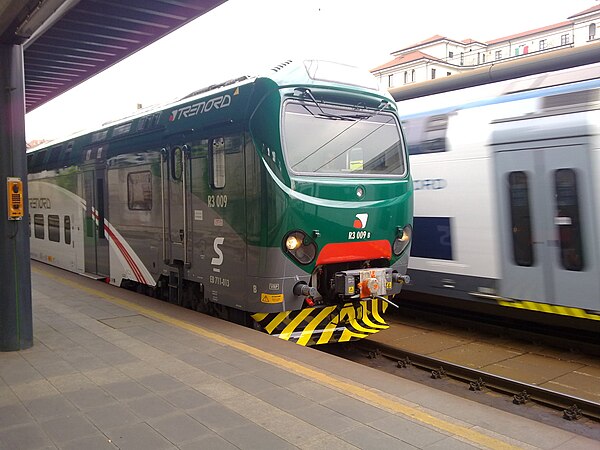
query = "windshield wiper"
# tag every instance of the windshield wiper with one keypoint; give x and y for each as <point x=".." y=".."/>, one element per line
<point x="323" y="114"/>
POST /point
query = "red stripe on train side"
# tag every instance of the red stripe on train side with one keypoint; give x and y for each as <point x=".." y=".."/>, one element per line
<point x="354" y="251"/>
<point x="136" y="271"/>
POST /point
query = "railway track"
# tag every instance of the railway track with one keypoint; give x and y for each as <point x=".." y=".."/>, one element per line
<point x="573" y="407"/>
<point x="551" y="383"/>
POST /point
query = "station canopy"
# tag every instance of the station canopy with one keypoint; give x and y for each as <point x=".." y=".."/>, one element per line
<point x="68" y="41"/>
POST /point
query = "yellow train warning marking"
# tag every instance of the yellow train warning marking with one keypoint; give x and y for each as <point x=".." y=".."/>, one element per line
<point x="546" y="308"/>
<point x="357" y="390"/>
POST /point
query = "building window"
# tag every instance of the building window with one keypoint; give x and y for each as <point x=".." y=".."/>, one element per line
<point x="483" y="58"/>
<point x="592" y="32"/>
<point x="450" y="54"/>
<point x="38" y="226"/>
<point x="462" y="58"/>
<point x="391" y="80"/>
<point x="448" y="74"/>
<point x="564" y="39"/>
<point x="498" y="55"/>
<point x="433" y="74"/>
<point x="139" y="191"/>
<point x="412" y="76"/>
<point x="543" y="44"/>
<point x="405" y="77"/>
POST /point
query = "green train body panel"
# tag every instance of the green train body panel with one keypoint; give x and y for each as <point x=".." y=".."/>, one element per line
<point x="286" y="196"/>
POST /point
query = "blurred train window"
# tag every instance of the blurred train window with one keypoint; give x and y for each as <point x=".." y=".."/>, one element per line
<point x="54" y="154"/>
<point x="567" y="219"/>
<point x="66" y="156"/>
<point x="217" y="158"/>
<point x="53" y="228"/>
<point x="426" y="134"/>
<point x="139" y="191"/>
<point x="520" y="213"/>
<point x="557" y="78"/>
<point x="68" y="230"/>
<point x="38" y="226"/>
<point x="432" y="238"/>
<point x="570" y="99"/>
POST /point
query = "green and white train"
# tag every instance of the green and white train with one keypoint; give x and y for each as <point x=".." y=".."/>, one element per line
<point x="281" y="201"/>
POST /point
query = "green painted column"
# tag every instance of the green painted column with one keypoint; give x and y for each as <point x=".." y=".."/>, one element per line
<point x="16" y="328"/>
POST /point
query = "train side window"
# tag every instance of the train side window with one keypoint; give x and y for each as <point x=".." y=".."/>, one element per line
<point x="432" y="238"/>
<point x="217" y="159"/>
<point x="139" y="191"/>
<point x="54" y="154"/>
<point x="66" y="156"/>
<point x="38" y="226"/>
<point x="67" y="230"/>
<point x="567" y="219"/>
<point x="426" y="134"/>
<point x="177" y="163"/>
<point x="520" y="214"/>
<point x="53" y="228"/>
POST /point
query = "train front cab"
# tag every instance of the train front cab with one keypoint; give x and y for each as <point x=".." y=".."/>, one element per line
<point x="337" y="209"/>
<point x="546" y="170"/>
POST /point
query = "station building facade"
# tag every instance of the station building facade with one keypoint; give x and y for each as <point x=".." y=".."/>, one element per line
<point x="440" y="56"/>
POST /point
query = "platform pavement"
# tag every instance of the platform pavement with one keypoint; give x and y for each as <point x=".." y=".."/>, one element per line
<point x="112" y="369"/>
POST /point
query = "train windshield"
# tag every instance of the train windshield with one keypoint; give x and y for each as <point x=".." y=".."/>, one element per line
<point x="332" y="140"/>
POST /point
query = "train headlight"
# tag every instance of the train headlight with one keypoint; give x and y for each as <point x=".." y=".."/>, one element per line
<point x="300" y="247"/>
<point x="292" y="242"/>
<point x="402" y="241"/>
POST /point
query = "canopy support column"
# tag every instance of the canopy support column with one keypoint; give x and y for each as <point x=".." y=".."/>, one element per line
<point x="16" y="328"/>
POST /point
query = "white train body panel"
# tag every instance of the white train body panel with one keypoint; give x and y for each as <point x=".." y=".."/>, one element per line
<point x="493" y="165"/>
<point x="63" y="247"/>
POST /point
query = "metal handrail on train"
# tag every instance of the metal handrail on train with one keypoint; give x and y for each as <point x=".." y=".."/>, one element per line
<point x="185" y="151"/>
<point x="163" y="159"/>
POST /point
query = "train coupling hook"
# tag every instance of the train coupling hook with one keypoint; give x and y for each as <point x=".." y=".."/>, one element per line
<point x="301" y="288"/>
<point x="397" y="278"/>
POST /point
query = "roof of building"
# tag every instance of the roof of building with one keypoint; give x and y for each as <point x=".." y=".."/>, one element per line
<point x="406" y="58"/>
<point x="408" y="54"/>
<point x="530" y="32"/>
<point x="587" y="11"/>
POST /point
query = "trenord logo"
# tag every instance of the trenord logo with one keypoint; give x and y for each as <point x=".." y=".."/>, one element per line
<point x="361" y="221"/>
<point x="202" y="107"/>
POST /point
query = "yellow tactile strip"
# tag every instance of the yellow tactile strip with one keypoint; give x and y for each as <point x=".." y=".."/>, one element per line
<point x="358" y="391"/>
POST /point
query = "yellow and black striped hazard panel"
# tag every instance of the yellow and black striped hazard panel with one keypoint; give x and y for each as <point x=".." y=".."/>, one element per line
<point x="326" y="325"/>
<point x="552" y="309"/>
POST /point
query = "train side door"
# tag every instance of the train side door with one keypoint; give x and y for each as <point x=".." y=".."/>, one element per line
<point x="547" y="235"/>
<point x="96" y="258"/>
<point x="175" y="179"/>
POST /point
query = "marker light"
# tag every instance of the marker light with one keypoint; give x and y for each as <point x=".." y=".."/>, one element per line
<point x="300" y="247"/>
<point x="402" y="241"/>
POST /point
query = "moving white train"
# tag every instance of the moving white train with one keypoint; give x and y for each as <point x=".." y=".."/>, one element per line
<point x="507" y="186"/>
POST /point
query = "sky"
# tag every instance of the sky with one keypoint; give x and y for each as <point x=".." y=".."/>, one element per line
<point x="248" y="37"/>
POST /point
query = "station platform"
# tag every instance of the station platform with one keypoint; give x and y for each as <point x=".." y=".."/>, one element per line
<point x="113" y="369"/>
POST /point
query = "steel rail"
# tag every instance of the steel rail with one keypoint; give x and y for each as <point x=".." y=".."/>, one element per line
<point x="505" y="385"/>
